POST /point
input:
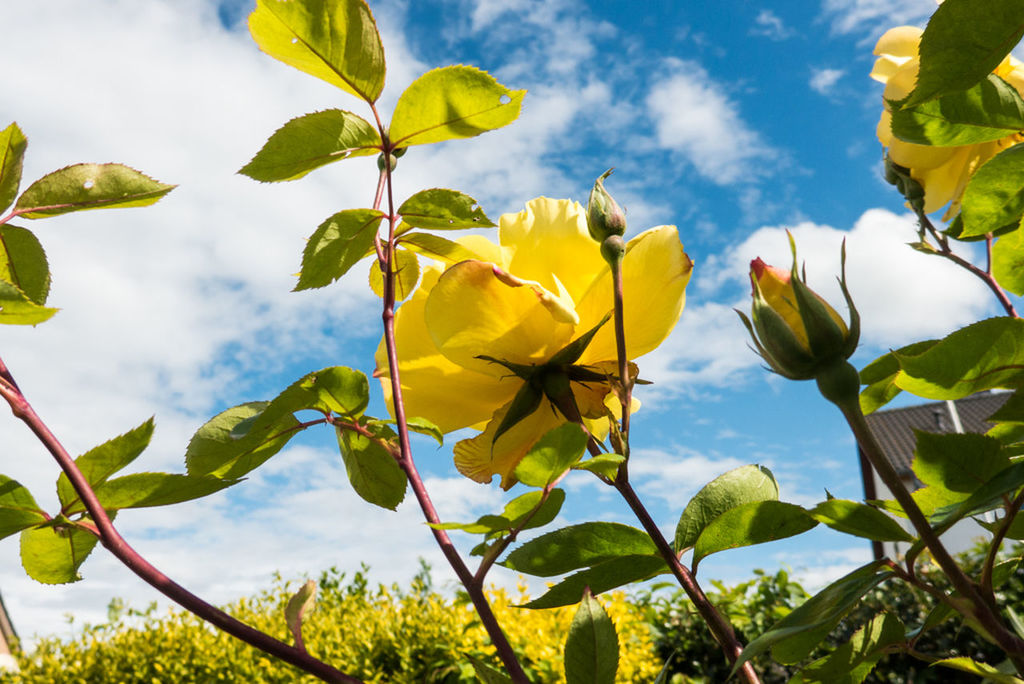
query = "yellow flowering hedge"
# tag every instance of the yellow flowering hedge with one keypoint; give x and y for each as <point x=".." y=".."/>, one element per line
<point x="382" y="634"/>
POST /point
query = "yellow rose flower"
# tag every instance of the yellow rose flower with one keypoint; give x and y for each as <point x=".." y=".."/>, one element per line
<point x="520" y="303"/>
<point x="943" y="172"/>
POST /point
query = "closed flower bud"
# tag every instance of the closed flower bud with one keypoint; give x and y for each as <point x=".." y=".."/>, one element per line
<point x="796" y="332"/>
<point x="605" y="217"/>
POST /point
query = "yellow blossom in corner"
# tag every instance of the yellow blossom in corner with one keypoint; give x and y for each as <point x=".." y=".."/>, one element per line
<point x="943" y="172"/>
<point x="520" y="303"/>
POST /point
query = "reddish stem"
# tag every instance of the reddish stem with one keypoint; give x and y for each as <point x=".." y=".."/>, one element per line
<point x="115" y="543"/>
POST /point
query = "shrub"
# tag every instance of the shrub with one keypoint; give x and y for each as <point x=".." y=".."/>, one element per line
<point x="381" y="634"/>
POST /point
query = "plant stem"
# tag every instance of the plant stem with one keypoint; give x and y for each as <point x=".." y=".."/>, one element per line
<point x="980" y="609"/>
<point x="620" y="348"/>
<point x="473" y="587"/>
<point x="116" y="544"/>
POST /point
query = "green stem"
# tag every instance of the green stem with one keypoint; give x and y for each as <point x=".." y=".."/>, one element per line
<point x="626" y="398"/>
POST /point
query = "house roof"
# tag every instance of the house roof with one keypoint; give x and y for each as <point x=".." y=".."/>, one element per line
<point x="894" y="428"/>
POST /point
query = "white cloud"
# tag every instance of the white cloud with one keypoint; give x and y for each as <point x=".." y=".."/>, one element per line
<point x="769" y="25"/>
<point x="824" y="80"/>
<point x="676" y="475"/>
<point x="874" y="16"/>
<point x="694" y="116"/>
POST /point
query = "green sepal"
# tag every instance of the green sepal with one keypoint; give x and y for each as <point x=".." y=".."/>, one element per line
<point x="603" y="576"/>
<point x="854" y="660"/>
<point x="452" y="102"/>
<point x="988" y="354"/>
<point x="407" y="273"/>
<point x="592" y="646"/>
<point x="571" y="353"/>
<point x="311" y="141"/>
<point x="99" y="463"/>
<point x="746" y="484"/>
<point x="880" y="376"/>
<point x="17" y="308"/>
<point x="334" y="40"/>
<point x="552" y="455"/>
<point x="751" y="523"/>
<point x="23" y="263"/>
<point x="443" y="209"/>
<point x="337" y="245"/>
<point x="52" y="554"/>
<point x="1008" y="262"/>
<point x="372" y="470"/>
<point x="579" y="546"/>
<point x="860" y="520"/>
<point x="961" y="46"/>
<point x="89" y="186"/>
<point x="524" y="403"/>
<point x="18" y="508"/>
<point x="514" y="516"/>
<point x="436" y="247"/>
<point x="795" y="636"/>
<point x="12" y="153"/>
<point x="990" y="110"/>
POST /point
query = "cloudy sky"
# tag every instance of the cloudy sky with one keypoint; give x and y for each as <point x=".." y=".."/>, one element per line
<point x="734" y="121"/>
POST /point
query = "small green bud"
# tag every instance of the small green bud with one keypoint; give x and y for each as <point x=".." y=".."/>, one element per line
<point x="613" y="248"/>
<point x="604" y="216"/>
<point x="392" y="158"/>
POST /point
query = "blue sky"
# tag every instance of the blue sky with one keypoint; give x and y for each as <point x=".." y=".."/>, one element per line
<point x="733" y="121"/>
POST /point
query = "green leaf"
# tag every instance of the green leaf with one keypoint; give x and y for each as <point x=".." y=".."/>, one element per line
<point x="987" y="497"/>
<point x="961" y="45"/>
<point x="990" y="110"/>
<point x="751" y="523"/>
<point x="742" y="485"/>
<point x="415" y="424"/>
<point x="227" y="446"/>
<point x="23" y="263"/>
<point x="311" y="141"/>
<point x="861" y="520"/>
<point x="145" y="490"/>
<point x="89" y="186"/>
<point x="18" y="509"/>
<point x="407" y="274"/>
<point x="552" y="455"/>
<point x="514" y="515"/>
<point x="592" y="646"/>
<point x="12" y="153"/>
<point x="485" y="673"/>
<point x="579" y="546"/>
<point x="336" y="389"/>
<point x="336" y="245"/>
<point x="372" y="470"/>
<point x="794" y="637"/>
<point x="1015" y="531"/>
<point x="958" y="462"/>
<point x="1008" y="262"/>
<point x="100" y="462"/>
<point x="442" y="209"/>
<point x="604" y="576"/>
<point x="452" y="102"/>
<point x="334" y="40"/>
<point x="437" y="248"/>
<point x="52" y="555"/>
<point x="991" y="674"/>
<point x="17" y="308"/>
<point x="880" y="377"/>
<point x="606" y="465"/>
<point x="988" y="354"/>
<point x="994" y="196"/>
<point x="301" y="603"/>
<point x="854" y="660"/>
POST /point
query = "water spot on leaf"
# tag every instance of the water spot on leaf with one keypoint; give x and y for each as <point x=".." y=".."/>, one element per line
<point x="295" y="40"/>
<point x="88" y="184"/>
<point x="504" y="99"/>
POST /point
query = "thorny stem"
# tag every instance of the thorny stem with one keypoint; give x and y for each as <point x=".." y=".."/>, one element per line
<point x="116" y="544"/>
<point x="985" y="275"/>
<point x="405" y="459"/>
<point x="980" y="609"/>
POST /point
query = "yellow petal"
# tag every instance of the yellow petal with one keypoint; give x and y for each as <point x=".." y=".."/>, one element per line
<point x="885" y="67"/>
<point x="433" y="387"/>
<point x="920" y="157"/>
<point x="549" y="240"/>
<point x="901" y="41"/>
<point x="655" y="272"/>
<point x="471" y="311"/>
<point x="487" y="250"/>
